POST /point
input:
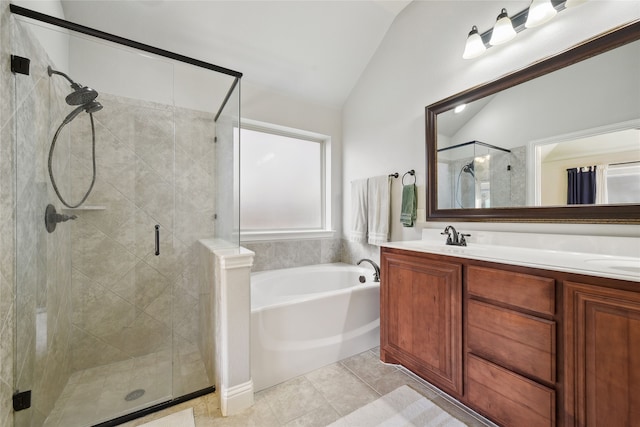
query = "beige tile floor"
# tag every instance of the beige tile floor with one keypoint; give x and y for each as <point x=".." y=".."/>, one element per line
<point x="321" y="397"/>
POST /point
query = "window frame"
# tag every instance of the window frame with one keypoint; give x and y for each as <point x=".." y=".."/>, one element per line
<point x="325" y="230"/>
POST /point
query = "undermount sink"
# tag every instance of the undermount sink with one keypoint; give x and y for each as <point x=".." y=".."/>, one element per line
<point x="630" y="266"/>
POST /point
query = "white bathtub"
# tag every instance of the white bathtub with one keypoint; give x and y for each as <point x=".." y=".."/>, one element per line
<point x="307" y="317"/>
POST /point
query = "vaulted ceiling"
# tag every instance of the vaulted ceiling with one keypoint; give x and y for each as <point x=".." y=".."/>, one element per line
<point x="316" y="50"/>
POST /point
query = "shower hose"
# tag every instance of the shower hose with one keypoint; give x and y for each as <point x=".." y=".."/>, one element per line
<point x="93" y="156"/>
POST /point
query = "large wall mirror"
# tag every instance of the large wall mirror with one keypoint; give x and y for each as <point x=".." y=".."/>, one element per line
<point x="557" y="141"/>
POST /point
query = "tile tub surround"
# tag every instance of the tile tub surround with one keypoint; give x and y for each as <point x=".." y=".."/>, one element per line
<point x="274" y="255"/>
<point x="321" y="397"/>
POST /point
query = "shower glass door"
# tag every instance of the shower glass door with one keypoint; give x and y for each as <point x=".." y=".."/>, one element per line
<point x="96" y="297"/>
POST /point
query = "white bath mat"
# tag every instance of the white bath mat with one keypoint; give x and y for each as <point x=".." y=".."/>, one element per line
<point x="403" y="407"/>
<point x="178" y="419"/>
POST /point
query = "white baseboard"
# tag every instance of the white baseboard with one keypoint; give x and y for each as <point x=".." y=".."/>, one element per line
<point x="236" y="399"/>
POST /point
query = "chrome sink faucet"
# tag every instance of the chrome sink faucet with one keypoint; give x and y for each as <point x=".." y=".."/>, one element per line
<point x="376" y="275"/>
<point x="453" y="237"/>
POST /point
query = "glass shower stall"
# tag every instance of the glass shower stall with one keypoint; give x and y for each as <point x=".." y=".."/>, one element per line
<point x="474" y="174"/>
<point x="124" y="159"/>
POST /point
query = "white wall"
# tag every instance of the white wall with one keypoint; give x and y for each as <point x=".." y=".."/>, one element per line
<point x="420" y="62"/>
<point x="55" y="40"/>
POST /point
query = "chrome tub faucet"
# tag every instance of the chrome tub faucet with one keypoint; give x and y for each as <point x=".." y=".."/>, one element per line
<point x="376" y="274"/>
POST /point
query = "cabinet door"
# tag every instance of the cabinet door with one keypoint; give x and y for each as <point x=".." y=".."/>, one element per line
<point x="421" y="318"/>
<point x="602" y="363"/>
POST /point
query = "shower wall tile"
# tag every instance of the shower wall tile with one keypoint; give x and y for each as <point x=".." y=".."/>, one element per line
<point x="519" y="176"/>
<point x="139" y="186"/>
<point x="42" y="315"/>
<point x="110" y="245"/>
<point x="6" y="336"/>
<point x="100" y="311"/>
<point x="89" y="351"/>
<point x="141" y="285"/>
<point x="7" y="217"/>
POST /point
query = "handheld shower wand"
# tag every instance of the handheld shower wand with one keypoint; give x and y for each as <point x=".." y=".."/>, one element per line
<point x="84" y="97"/>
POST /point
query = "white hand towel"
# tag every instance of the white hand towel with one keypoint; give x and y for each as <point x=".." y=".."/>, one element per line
<point x="358" y="211"/>
<point x="602" y="195"/>
<point x="379" y="209"/>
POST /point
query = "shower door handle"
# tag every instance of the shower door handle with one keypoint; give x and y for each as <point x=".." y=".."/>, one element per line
<point x="157" y="240"/>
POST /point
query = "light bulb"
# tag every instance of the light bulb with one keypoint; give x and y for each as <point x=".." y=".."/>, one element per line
<point x="503" y="29"/>
<point x="475" y="46"/>
<point x="540" y="11"/>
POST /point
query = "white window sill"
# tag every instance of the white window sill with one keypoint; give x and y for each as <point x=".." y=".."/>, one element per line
<point x="261" y="236"/>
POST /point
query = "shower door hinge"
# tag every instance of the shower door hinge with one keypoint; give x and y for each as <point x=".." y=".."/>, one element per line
<point x="20" y="65"/>
<point x="215" y="139"/>
<point x="22" y="400"/>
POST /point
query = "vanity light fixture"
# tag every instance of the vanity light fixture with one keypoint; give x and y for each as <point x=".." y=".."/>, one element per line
<point x="503" y="30"/>
<point x="540" y="12"/>
<point x="506" y="28"/>
<point x="475" y="46"/>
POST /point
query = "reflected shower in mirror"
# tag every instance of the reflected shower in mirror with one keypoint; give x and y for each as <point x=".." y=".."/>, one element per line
<point x="476" y="175"/>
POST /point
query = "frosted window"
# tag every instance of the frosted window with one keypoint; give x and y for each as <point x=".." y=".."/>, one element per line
<point x="280" y="182"/>
<point x="623" y="184"/>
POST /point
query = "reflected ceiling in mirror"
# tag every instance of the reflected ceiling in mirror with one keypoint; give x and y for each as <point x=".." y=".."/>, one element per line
<point x="508" y="154"/>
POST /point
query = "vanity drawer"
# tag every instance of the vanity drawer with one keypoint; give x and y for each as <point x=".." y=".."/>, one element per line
<point x="508" y="398"/>
<point x="518" y="341"/>
<point x="519" y="290"/>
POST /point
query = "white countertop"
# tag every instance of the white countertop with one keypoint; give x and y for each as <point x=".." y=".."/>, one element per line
<point x="589" y="263"/>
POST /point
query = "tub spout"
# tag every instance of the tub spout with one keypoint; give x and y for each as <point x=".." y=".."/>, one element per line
<point x="376" y="275"/>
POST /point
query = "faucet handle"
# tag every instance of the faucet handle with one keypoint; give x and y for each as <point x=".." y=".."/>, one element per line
<point x="463" y="241"/>
<point x="449" y="241"/>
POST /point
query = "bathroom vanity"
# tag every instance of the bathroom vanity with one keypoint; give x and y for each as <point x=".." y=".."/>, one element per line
<point x="524" y="336"/>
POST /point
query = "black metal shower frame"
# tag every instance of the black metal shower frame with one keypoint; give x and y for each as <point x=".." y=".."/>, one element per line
<point x="483" y="144"/>
<point x="48" y="19"/>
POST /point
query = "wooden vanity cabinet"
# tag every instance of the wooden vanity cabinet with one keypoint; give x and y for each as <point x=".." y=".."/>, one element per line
<point x="521" y="346"/>
<point x="421" y="317"/>
<point x="602" y="356"/>
<point x="510" y="352"/>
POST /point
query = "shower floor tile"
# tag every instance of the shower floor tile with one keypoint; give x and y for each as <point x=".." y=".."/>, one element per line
<point x="99" y="394"/>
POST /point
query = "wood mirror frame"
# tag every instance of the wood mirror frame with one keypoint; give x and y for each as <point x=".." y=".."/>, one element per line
<point x="629" y="214"/>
